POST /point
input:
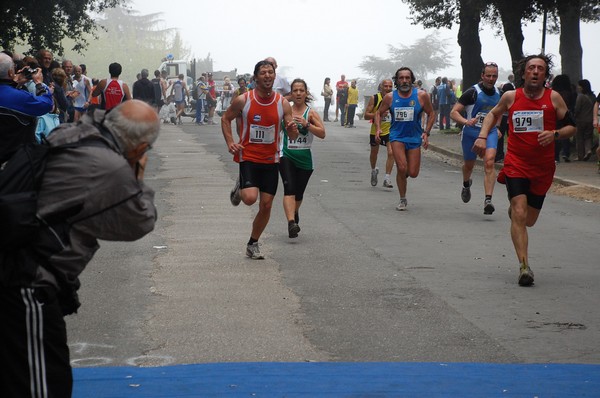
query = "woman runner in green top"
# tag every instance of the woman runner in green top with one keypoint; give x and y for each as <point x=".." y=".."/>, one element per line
<point x="296" y="162"/>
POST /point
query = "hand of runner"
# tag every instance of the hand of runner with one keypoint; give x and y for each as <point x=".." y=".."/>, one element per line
<point x="546" y="137"/>
<point x="235" y="147"/>
<point x="479" y="147"/>
<point x="425" y="138"/>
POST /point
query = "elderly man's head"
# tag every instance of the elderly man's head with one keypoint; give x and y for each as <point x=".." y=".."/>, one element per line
<point x="6" y="67"/>
<point x="135" y="124"/>
<point x="44" y="58"/>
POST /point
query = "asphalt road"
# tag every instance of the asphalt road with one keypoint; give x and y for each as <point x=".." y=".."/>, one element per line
<point x="363" y="282"/>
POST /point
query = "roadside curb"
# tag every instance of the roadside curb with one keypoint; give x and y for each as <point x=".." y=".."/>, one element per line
<point x="557" y="180"/>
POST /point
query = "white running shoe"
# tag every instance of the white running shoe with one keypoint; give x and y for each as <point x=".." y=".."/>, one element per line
<point x="253" y="252"/>
<point x="402" y="205"/>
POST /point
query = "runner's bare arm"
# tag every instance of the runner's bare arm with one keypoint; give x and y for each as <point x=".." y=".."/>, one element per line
<point x="99" y="88"/>
<point x="369" y="114"/>
<point x="428" y="109"/>
<point x="234" y="110"/>
<point x="565" y="126"/>
<point x="316" y="126"/>
<point x="386" y="102"/>
<point x="290" y="125"/>
<point x="126" y="91"/>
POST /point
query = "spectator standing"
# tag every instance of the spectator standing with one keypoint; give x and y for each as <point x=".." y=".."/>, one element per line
<point x="226" y="94"/>
<point x="562" y="85"/>
<point x="44" y="58"/>
<point x="327" y="94"/>
<point x="157" y="90"/>
<point x="503" y="126"/>
<point x="341" y="93"/>
<point x="70" y="91"/>
<point x="59" y="79"/>
<point x="445" y="106"/>
<point x="352" y="104"/>
<point x="202" y="90"/>
<point x="84" y="92"/>
<point x="211" y="98"/>
<point x="597" y="126"/>
<point x="143" y="89"/>
<point x="584" y="118"/>
<point x="435" y="98"/>
<point x="281" y="84"/>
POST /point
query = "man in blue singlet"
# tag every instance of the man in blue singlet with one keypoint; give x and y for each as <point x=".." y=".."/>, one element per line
<point x="475" y="103"/>
<point x="406" y="105"/>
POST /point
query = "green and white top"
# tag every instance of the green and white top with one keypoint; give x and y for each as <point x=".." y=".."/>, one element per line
<point x="299" y="150"/>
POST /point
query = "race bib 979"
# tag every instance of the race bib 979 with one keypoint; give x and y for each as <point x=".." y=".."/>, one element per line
<point x="528" y="121"/>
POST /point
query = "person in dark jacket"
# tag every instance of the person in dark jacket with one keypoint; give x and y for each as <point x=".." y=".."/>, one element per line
<point x="93" y="190"/>
<point x="143" y="89"/>
<point x="562" y="85"/>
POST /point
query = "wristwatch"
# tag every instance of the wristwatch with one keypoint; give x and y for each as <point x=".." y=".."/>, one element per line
<point x="556" y="134"/>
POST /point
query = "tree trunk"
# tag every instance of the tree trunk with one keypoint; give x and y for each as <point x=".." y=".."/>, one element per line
<point x="570" y="49"/>
<point x="510" y="13"/>
<point x="469" y="42"/>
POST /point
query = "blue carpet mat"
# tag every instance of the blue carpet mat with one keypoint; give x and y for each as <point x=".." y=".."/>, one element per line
<point x="335" y="379"/>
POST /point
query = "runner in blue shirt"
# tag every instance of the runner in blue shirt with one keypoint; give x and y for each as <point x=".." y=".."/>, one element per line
<point x="406" y="104"/>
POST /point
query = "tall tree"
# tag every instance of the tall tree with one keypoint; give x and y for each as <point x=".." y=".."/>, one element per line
<point x="513" y="14"/>
<point x="444" y="14"/>
<point x="469" y="41"/>
<point x="44" y="24"/>
<point x="571" y="52"/>
<point x="426" y="55"/>
<point x="142" y="43"/>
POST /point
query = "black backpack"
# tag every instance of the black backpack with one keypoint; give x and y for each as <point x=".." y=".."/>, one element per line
<point x="20" y="181"/>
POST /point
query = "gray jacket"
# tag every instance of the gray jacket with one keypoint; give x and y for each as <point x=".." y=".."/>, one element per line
<point x="99" y="185"/>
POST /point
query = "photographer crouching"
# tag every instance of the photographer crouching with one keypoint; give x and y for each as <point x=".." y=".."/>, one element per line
<point x="91" y="190"/>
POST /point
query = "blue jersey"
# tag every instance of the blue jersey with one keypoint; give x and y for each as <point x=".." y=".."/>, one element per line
<point x="406" y="118"/>
<point x="483" y="105"/>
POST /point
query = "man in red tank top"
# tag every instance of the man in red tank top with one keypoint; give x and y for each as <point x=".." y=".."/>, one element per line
<point x="257" y="151"/>
<point x="113" y="90"/>
<point x="537" y="117"/>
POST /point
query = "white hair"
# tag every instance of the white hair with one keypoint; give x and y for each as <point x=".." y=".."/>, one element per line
<point x="6" y="64"/>
<point x="131" y="133"/>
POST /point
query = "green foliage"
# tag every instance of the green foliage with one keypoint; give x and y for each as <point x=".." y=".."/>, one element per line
<point x="44" y="24"/>
<point x="427" y="55"/>
<point x="433" y="13"/>
<point x="135" y="41"/>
